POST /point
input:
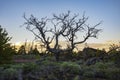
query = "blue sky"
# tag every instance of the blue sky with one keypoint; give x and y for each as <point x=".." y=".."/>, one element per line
<point x="108" y="11"/>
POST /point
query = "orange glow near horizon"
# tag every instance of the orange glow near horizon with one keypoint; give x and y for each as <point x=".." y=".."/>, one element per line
<point x="18" y="44"/>
<point x="100" y="46"/>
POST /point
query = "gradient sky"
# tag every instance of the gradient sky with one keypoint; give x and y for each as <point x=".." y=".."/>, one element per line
<point x="108" y="11"/>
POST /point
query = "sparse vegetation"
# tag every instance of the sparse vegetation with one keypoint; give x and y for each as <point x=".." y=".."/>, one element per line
<point x="56" y="63"/>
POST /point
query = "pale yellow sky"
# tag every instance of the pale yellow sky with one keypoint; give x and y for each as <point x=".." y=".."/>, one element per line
<point x="104" y="45"/>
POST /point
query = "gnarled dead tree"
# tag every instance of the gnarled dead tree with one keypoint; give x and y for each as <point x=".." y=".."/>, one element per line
<point x="75" y="25"/>
<point x="39" y="29"/>
<point x="60" y="25"/>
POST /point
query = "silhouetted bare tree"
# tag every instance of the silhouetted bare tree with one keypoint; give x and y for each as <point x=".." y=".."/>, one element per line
<point x="62" y="25"/>
<point x="76" y="25"/>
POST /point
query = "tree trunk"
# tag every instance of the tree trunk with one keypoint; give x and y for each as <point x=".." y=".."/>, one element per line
<point x="57" y="55"/>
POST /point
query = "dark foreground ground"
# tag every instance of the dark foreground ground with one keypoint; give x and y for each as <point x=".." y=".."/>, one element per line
<point x="29" y="67"/>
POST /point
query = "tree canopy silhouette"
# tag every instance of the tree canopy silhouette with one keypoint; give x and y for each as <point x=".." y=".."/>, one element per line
<point x="5" y="48"/>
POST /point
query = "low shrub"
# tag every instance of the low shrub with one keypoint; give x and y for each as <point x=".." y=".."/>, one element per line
<point x="69" y="70"/>
<point x="70" y="67"/>
<point x="113" y="73"/>
<point x="51" y="70"/>
<point x="9" y="74"/>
